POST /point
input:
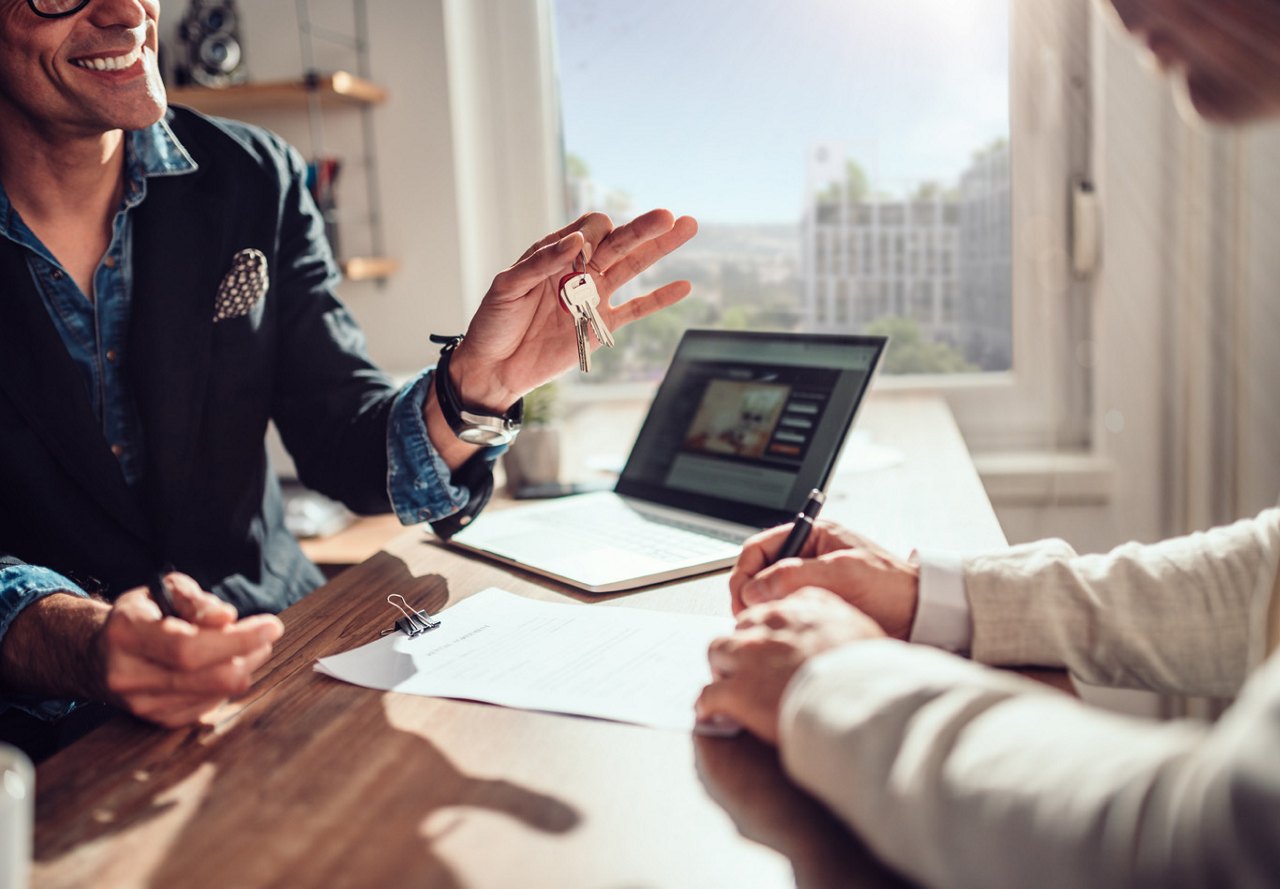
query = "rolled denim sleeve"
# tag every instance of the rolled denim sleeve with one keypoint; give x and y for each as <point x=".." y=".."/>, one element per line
<point x="419" y="484"/>
<point x="20" y="587"/>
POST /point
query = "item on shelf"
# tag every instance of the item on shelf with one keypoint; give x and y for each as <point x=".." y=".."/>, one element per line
<point x="309" y="513"/>
<point x="210" y="43"/>
<point x="322" y="175"/>
<point x="210" y="30"/>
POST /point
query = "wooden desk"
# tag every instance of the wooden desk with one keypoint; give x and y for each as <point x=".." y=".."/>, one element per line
<point x="306" y="781"/>
<point x="352" y="545"/>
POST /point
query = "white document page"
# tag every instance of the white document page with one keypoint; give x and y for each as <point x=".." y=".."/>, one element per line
<point x="623" y="664"/>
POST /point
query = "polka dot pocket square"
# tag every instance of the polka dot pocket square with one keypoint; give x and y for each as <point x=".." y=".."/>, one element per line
<point x="243" y="287"/>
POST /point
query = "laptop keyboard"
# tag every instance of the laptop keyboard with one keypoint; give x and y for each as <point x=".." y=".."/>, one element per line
<point x="660" y="537"/>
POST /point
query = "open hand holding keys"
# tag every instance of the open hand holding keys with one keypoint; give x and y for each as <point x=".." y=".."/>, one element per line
<point x="515" y="341"/>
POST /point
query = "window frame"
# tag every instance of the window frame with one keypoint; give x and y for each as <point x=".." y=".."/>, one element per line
<point x="503" y="81"/>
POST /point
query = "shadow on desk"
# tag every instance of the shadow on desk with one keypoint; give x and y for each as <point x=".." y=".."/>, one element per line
<point x="745" y="777"/>
<point x="307" y="781"/>
<point x="312" y="776"/>
<point x="173" y="811"/>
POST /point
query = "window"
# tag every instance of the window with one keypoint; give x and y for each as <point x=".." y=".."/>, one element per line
<point x="792" y="129"/>
<point x="1041" y="400"/>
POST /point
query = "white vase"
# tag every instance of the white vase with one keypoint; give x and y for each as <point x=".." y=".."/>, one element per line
<point x="534" y="458"/>
<point x="17" y="809"/>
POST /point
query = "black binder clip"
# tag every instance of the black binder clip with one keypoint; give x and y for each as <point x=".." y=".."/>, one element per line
<point x="414" y="622"/>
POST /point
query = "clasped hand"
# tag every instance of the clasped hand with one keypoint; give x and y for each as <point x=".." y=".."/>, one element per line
<point x="172" y="671"/>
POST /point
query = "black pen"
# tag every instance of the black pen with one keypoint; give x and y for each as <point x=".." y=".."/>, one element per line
<point x="801" y="527"/>
<point x="160" y="594"/>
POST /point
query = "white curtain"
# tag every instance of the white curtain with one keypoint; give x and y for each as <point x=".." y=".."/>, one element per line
<point x="1188" y="311"/>
<point x="1220" y="456"/>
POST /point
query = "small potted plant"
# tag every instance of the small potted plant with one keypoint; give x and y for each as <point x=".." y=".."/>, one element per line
<point x="534" y="457"/>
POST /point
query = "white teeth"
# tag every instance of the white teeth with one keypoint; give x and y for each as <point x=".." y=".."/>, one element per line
<point x="116" y="63"/>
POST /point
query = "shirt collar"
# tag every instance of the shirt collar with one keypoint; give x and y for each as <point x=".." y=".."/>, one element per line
<point x="150" y="152"/>
<point x="156" y="151"/>
<point x="153" y="151"/>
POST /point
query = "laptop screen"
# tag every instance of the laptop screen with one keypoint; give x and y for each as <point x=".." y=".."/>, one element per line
<point x="745" y="424"/>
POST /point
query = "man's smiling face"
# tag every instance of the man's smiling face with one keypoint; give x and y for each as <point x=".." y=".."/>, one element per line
<point x="87" y="73"/>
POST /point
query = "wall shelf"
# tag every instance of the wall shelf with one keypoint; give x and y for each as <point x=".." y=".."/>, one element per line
<point x="333" y="90"/>
<point x="368" y="268"/>
<point x="315" y="94"/>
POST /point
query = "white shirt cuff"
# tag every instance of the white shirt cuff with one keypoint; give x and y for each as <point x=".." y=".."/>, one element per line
<point x="943" y="619"/>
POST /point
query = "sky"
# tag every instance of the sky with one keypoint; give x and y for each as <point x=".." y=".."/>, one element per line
<point x="711" y="107"/>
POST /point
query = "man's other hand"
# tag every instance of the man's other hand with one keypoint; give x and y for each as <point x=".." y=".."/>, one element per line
<point x="751" y="669"/>
<point x="172" y="671"/>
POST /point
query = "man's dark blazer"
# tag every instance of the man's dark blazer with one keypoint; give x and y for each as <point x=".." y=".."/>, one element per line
<point x="208" y="502"/>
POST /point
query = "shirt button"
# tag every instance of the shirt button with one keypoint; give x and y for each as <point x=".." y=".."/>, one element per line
<point x="56" y="274"/>
<point x="118" y="450"/>
<point x="111" y="355"/>
<point x="109" y="262"/>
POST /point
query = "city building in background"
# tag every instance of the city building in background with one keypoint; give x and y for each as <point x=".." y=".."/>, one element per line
<point x="848" y="165"/>
<point x="985" y="329"/>
<point x="933" y="267"/>
<point x="932" y="270"/>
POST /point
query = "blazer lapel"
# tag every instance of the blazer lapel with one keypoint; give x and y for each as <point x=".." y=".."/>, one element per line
<point x="178" y="233"/>
<point x="40" y="378"/>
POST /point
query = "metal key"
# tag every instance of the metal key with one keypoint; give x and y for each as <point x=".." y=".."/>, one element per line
<point x="584" y="348"/>
<point x="581" y="295"/>
<point x="579" y="325"/>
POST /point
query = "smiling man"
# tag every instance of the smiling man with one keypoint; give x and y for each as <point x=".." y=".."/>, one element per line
<point x="166" y="291"/>
<point x="959" y="775"/>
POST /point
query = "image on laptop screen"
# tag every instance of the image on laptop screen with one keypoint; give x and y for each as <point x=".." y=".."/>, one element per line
<point x="746" y="424"/>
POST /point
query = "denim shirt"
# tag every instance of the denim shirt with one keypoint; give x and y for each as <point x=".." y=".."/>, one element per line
<point x="95" y="333"/>
<point x="95" y="330"/>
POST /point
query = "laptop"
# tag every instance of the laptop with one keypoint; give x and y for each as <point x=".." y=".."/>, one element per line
<point x="742" y="428"/>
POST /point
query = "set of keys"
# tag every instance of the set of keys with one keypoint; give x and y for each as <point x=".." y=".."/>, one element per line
<point x="579" y="297"/>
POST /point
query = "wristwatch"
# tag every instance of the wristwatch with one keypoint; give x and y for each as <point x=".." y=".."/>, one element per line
<point x="471" y="425"/>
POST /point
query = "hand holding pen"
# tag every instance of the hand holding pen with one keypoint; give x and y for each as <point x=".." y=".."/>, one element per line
<point x="783" y="543"/>
<point x="783" y="560"/>
<point x="170" y="652"/>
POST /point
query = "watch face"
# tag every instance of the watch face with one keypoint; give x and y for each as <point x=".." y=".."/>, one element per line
<point x="485" y="430"/>
<point x="485" y="436"/>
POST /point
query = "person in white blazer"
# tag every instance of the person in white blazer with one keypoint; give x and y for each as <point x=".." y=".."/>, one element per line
<point x="956" y="774"/>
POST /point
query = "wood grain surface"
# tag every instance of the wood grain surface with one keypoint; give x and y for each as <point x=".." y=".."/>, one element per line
<point x="307" y="781"/>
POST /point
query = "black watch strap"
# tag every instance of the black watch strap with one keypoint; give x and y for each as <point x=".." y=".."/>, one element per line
<point x="470" y="424"/>
<point x="476" y="475"/>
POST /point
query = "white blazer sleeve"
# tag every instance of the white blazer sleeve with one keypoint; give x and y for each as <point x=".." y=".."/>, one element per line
<point x="1184" y="616"/>
<point x="958" y="775"/>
